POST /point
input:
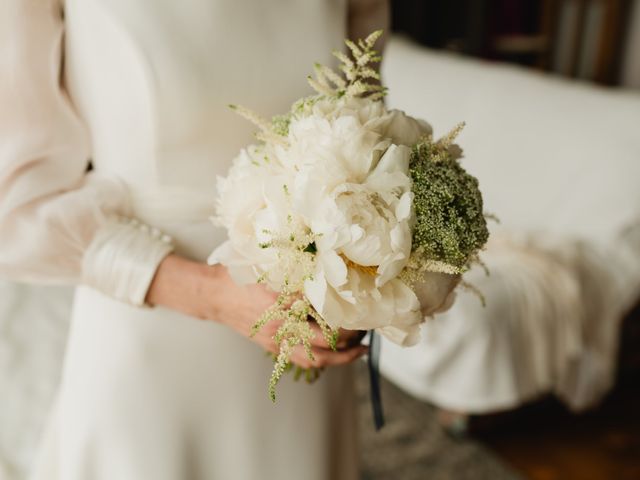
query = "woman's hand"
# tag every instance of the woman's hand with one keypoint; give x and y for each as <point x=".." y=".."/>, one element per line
<point x="209" y="293"/>
<point x="348" y="348"/>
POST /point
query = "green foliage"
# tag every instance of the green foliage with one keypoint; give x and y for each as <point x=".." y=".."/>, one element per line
<point x="450" y="224"/>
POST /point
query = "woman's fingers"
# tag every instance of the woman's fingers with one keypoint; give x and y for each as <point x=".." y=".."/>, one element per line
<point x="346" y="338"/>
<point x="327" y="358"/>
<point x="318" y="339"/>
<point x="324" y="357"/>
<point x="348" y="347"/>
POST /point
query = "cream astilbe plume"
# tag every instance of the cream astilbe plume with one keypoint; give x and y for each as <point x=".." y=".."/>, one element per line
<point x="358" y="72"/>
<point x="268" y="132"/>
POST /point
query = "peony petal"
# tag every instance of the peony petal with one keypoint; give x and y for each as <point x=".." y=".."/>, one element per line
<point x="240" y="268"/>
<point x="357" y="233"/>
<point x="315" y="289"/>
<point x="404" y="129"/>
<point x="335" y="311"/>
<point x="347" y="296"/>
<point x="334" y="268"/>
<point x="391" y="268"/>
<point x="404" y="207"/>
<point x="367" y="252"/>
<point x="242" y="275"/>
<point x="395" y="159"/>
<point x="405" y="337"/>
<point x="400" y="238"/>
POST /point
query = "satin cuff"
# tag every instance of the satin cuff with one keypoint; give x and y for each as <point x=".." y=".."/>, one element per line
<point x="123" y="258"/>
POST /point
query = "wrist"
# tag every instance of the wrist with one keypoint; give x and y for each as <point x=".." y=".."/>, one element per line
<point x="187" y="286"/>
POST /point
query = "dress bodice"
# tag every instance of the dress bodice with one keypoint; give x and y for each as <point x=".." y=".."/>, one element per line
<point x="152" y="80"/>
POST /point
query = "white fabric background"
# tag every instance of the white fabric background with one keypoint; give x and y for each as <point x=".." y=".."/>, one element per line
<point x="514" y="119"/>
<point x="559" y="163"/>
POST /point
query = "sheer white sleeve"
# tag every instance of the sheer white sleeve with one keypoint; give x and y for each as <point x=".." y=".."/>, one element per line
<point x="59" y="223"/>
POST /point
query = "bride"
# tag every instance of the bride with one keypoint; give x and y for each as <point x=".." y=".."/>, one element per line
<point x="113" y="127"/>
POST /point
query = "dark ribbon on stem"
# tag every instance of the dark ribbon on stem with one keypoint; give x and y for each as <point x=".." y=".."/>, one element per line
<point x="373" y="362"/>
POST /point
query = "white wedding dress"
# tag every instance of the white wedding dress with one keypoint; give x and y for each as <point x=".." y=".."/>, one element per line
<point x="141" y="89"/>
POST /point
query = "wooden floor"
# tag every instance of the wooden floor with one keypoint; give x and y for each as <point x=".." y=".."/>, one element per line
<point x="545" y="442"/>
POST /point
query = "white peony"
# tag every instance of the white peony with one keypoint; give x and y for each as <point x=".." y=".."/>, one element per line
<point x="360" y="305"/>
<point x="400" y="128"/>
<point x="251" y="201"/>
<point x="395" y="125"/>
<point x="353" y="190"/>
<point x="343" y="146"/>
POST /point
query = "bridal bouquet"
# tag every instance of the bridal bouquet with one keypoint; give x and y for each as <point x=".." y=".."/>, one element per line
<point x="353" y="212"/>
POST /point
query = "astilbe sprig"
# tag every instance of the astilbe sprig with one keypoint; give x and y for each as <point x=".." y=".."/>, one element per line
<point x="295" y="250"/>
<point x="295" y="312"/>
<point x="270" y="131"/>
<point x="360" y="75"/>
